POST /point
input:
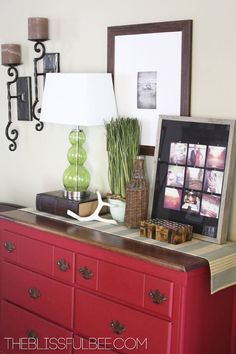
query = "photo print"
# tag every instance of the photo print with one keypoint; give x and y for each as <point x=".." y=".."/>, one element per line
<point x="194" y="178"/>
<point x="191" y="201"/>
<point x="213" y="181"/>
<point x="196" y="155"/>
<point x="147" y="90"/>
<point x="216" y="157"/>
<point x="210" y="206"/>
<point x="175" y="176"/>
<point x="172" y="198"/>
<point x="178" y="153"/>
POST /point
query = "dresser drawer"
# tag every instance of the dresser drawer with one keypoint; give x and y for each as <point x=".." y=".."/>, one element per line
<point x="27" y="252"/>
<point x="49" y="337"/>
<point x="121" y="283"/>
<point x="86" y="271"/>
<point x="159" y="295"/>
<point x="9" y="245"/>
<point x="37" y="293"/>
<point x="126" y="328"/>
<point x="64" y="265"/>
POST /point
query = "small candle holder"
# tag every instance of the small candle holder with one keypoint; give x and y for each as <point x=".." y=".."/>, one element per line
<point x="38" y="32"/>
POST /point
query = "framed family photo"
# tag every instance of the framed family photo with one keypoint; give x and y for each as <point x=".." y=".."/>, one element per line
<point x="151" y="67"/>
<point x="193" y="174"/>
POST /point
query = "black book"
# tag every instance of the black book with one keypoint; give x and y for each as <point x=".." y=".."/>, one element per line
<point x="56" y="203"/>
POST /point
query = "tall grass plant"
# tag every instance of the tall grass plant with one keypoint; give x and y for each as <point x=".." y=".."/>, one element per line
<point x="123" y="139"/>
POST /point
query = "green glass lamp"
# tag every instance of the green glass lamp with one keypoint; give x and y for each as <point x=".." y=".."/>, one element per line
<point x="76" y="177"/>
<point x="81" y="100"/>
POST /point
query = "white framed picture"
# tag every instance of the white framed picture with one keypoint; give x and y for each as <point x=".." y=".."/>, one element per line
<point x="151" y="67"/>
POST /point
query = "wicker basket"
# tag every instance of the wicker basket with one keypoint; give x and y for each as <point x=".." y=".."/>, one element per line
<point x="136" y="196"/>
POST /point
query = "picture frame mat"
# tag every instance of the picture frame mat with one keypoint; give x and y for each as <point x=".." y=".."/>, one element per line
<point x="152" y="52"/>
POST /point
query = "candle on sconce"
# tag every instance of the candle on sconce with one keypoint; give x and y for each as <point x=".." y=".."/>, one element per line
<point x="37" y="29"/>
<point x="11" y="54"/>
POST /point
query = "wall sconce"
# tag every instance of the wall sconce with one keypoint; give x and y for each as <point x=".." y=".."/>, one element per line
<point x="38" y="32"/>
<point x="11" y="57"/>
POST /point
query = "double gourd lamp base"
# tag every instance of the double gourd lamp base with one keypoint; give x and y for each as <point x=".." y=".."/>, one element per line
<point x="76" y="178"/>
<point x="79" y="99"/>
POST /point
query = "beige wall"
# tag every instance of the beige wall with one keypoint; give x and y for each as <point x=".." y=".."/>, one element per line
<point x="78" y="32"/>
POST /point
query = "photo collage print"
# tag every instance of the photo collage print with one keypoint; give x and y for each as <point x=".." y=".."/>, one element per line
<point x="195" y="178"/>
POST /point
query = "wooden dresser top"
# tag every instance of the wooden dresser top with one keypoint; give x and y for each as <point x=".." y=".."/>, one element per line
<point x="155" y="254"/>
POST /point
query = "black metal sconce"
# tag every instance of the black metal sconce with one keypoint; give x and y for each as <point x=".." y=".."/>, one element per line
<point x="11" y="57"/>
<point x="38" y="32"/>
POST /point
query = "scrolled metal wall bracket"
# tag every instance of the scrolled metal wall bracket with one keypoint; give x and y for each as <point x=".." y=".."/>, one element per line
<point x="11" y="134"/>
<point x="11" y="57"/>
<point x="39" y="47"/>
<point x="23" y="97"/>
<point x="38" y="32"/>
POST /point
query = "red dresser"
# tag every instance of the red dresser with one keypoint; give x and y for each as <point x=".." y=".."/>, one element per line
<point x="69" y="289"/>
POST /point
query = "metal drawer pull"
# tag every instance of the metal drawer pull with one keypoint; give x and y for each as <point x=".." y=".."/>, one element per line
<point x="9" y="246"/>
<point x="157" y="297"/>
<point x="86" y="274"/>
<point x="32" y="334"/>
<point x="63" y="265"/>
<point x="34" y="293"/>
<point x="117" y="327"/>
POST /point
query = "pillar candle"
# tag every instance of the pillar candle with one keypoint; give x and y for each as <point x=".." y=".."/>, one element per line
<point x="11" y="54"/>
<point x="37" y="29"/>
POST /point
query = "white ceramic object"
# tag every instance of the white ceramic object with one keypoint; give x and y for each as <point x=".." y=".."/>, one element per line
<point x="117" y="209"/>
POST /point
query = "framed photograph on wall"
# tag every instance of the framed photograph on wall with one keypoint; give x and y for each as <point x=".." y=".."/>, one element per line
<point x="193" y="174"/>
<point x="151" y="67"/>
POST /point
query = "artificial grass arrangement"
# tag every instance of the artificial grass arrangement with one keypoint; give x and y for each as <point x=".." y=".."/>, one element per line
<point x="123" y="139"/>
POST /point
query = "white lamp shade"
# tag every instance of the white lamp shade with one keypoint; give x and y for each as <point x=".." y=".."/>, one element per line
<point x="78" y="99"/>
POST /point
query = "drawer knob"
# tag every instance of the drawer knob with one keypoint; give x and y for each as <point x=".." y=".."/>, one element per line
<point x="157" y="297"/>
<point x="34" y="293"/>
<point x="117" y="327"/>
<point x="32" y="334"/>
<point x="86" y="273"/>
<point x="63" y="265"/>
<point x="9" y="246"/>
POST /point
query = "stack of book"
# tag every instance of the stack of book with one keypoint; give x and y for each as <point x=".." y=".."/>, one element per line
<point x="55" y="203"/>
